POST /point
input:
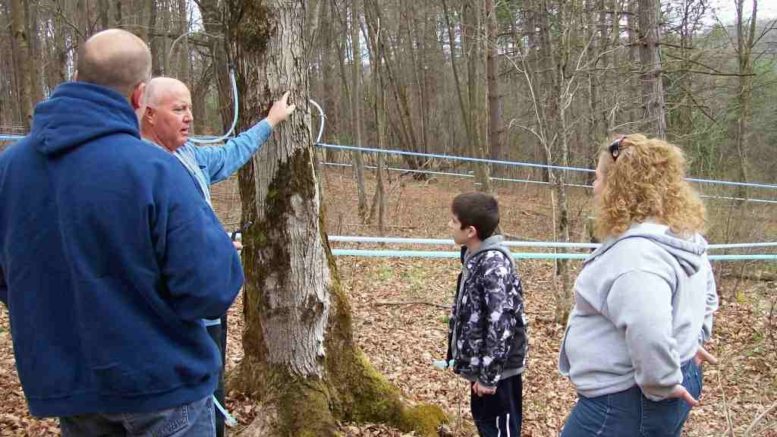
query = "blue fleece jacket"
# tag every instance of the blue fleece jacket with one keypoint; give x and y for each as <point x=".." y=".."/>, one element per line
<point x="109" y="261"/>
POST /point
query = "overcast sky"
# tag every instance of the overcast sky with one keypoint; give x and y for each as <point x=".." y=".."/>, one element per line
<point x="726" y="13"/>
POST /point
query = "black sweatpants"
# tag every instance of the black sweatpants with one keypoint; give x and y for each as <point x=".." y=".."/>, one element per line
<point x="499" y="414"/>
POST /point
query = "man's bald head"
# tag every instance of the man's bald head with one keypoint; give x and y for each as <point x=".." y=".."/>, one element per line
<point x="161" y="88"/>
<point x="116" y="59"/>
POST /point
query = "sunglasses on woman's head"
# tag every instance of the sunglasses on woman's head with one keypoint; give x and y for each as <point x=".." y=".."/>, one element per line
<point x="615" y="148"/>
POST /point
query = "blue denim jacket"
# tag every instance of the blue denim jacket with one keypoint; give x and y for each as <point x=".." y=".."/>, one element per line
<point x="208" y="165"/>
<point x="211" y="164"/>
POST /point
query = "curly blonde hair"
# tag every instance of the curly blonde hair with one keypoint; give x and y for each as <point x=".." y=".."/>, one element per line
<point x="646" y="181"/>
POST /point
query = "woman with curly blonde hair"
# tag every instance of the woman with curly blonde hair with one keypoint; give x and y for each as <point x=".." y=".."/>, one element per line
<point x="643" y="300"/>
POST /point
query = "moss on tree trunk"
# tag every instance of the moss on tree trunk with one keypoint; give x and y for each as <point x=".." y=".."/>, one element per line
<point x="301" y="364"/>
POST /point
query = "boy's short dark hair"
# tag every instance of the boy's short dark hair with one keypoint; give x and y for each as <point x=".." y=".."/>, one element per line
<point x="479" y="210"/>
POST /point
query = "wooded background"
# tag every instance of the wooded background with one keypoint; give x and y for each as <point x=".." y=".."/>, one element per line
<point x="533" y="80"/>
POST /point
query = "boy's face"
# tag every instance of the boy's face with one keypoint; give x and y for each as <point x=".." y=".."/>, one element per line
<point x="461" y="236"/>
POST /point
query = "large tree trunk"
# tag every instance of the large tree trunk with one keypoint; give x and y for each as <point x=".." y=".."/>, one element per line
<point x="649" y="55"/>
<point x="301" y="364"/>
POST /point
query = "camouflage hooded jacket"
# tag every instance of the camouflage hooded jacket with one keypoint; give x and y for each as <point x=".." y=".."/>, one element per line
<point x="487" y="330"/>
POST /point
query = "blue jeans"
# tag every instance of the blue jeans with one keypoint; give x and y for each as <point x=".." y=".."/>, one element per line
<point x="189" y="420"/>
<point x="219" y="335"/>
<point x="630" y="413"/>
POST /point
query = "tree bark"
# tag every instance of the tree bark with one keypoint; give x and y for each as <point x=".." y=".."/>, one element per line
<point x="213" y="21"/>
<point x="473" y="43"/>
<point x="650" y="58"/>
<point x="24" y="74"/>
<point x="456" y="81"/>
<point x="301" y="364"/>
<point x="494" y="97"/>
<point x="379" y="108"/>
<point x="356" y="70"/>
<point x="745" y="43"/>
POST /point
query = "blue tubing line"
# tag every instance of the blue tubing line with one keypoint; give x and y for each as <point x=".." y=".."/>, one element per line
<point x="448" y="242"/>
<point x="450" y="157"/>
<point x="528" y="181"/>
<point x="518" y="163"/>
<point x="516" y="255"/>
<point x="484" y="161"/>
<point x="547" y="244"/>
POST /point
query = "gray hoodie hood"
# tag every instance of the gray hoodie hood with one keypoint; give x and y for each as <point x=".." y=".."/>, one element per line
<point x="689" y="252"/>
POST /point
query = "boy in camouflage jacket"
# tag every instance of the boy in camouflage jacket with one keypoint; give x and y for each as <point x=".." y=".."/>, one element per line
<point x="487" y="336"/>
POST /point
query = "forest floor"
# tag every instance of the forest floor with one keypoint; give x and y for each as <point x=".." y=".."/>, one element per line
<point x="401" y="334"/>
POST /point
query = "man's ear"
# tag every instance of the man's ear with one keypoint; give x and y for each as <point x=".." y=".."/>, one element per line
<point x="147" y="115"/>
<point x="136" y="98"/>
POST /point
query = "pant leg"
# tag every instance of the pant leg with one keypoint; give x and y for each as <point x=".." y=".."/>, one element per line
<point x="500" y="414"/>
<point x="666" y="418"/>
<point x="219" y="333"/>
<point x="612" y="415"/>
<point x="91" y="425"/>
<point x="693" y="382"/>
<point x="195" y="419"/>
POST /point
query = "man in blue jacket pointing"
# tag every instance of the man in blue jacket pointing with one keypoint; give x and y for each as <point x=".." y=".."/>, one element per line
<point x="166" y="118"/>
<point x="109" y="260"/>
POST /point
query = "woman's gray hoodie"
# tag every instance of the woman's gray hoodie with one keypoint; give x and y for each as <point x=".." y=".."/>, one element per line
<point x="643" y="305"/>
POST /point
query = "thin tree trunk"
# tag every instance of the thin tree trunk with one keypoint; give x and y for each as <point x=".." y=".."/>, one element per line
<point x="356" y="68"/>
<point x="329" y="101"/>
<point x="650" y="58"/>
<point x="32" y="9"/>
<point x="213" y="21"/>
<point x="494" y="97"/>
<point x="457" y="82"/>
<point x="745" y="43"/>
<point x="598" y="130"/>
<point x="472" y="39"/>
<point x="103" y="13"/>
<point x="301" y="364"/>
<point x="379" y="108"/>
<point x="552" y="59"/>
<point x="635" y="87"/>
<point x="406" y="128"/>
<point x="24" y="74"/>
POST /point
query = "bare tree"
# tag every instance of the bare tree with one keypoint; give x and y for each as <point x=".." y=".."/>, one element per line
<point x="745" y="39"/>
<point x="494" y="99"/>
<point x="356" y="76"/>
